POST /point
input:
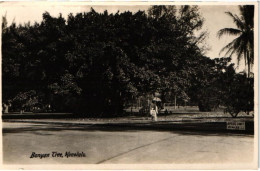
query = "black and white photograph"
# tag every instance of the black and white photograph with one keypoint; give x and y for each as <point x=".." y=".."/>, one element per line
<point x="129" y="85"/>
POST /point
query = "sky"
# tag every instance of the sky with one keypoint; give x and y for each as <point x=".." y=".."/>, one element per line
<point x="214" y="15"/>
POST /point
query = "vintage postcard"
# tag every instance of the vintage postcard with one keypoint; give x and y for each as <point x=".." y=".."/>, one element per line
<point x="129" y="85"/>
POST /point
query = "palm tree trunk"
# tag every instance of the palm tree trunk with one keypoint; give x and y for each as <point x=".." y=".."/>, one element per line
<point x="248" y="64"/>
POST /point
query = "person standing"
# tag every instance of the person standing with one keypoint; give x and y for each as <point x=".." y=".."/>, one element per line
<point x="154" y="111"/>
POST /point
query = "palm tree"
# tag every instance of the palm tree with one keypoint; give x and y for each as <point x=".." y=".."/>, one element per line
<point x="243" y="45"/>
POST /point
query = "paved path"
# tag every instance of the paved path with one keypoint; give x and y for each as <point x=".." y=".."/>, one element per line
<point x="120" y="145"/>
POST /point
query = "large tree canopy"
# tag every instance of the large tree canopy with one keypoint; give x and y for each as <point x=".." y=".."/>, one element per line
<point x="95" y="63"/>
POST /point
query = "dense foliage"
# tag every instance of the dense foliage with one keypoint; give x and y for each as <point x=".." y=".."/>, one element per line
<point x="95" y="63"/>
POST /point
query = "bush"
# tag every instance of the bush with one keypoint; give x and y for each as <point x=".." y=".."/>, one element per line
<point x="240" y="95"/>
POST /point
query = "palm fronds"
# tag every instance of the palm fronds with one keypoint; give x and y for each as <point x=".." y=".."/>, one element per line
<point x="243" y="44"/>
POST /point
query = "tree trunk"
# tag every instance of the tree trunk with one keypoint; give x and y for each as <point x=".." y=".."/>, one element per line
<point x="248" y="65"/>
<point x="174" y="101"/>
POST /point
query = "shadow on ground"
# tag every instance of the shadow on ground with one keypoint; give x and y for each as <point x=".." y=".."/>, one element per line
<point x="203" y="129"/>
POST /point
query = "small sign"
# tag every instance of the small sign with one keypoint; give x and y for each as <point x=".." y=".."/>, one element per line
<point x="236" y="125"/>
